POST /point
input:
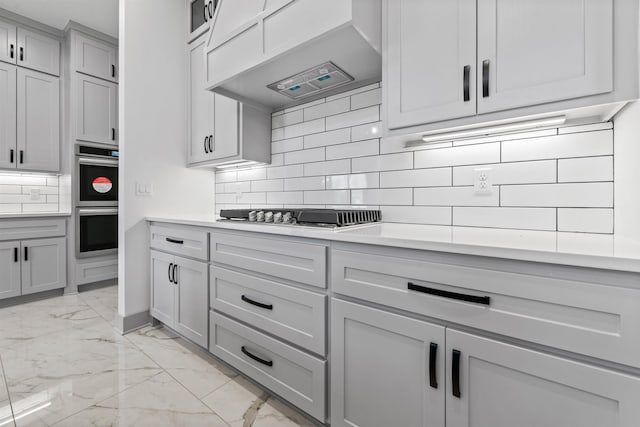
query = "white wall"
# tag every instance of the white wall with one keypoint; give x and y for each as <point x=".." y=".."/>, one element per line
<point x="152" y="117"/>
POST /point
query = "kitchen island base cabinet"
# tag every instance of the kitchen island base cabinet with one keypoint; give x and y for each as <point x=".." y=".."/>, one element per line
<point x="179" y="295"/>
<point x="387" y="370"/>
<point x="502" y="385"/>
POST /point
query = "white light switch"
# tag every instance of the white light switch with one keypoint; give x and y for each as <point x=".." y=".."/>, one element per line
<point x="144" y="188"/>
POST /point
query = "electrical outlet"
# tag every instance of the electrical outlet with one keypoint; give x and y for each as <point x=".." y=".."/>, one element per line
<point x="482" y="181"/>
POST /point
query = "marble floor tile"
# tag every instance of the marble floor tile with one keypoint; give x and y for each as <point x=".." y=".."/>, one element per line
<point x="6" y="414"/>
<point x="237" y="402"/>
<point x="274" y="413"/>
<point x="103" y="300"/>
<point x="159" y="401"/>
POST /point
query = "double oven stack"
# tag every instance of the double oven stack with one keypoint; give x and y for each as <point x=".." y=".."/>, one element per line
<point x="96" y="201"/>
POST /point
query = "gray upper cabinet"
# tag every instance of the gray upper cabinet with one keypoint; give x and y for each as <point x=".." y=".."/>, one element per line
<point x="201" y="14"/>
<point x="38" y="119"/>
<point x="226" y="131"/>
<point x="8" y="47"/>
<point x="44" y="265"/>
<point x="200" y="105"/>
<point x="96" y="119"/>
<point x="387" y="370"/>
<point x="96" y="58"/>
<point x="430" y="72"/>
<point x="10" y="267"/>
<point x="533" y="52"/>
<point x="7" y="116"/>
<point x="500" y="385"/>
<point x="38" y="52"/>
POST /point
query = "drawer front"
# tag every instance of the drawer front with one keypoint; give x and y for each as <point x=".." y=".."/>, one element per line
<point x="292" y="260"/>
<point x="596" y="320"/>
<point x="19" y="229"/>
<point x="292" y="314"/>
<point x="180" y="241"/>
<point x="296" y="376"/>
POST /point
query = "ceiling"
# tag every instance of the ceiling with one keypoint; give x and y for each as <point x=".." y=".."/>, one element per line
<point x="101" y="15"/>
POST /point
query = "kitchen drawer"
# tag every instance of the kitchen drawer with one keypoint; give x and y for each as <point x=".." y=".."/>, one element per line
<point x="32" y="228"/>
<point x="293" y="314"/>
<point x="296" y="376"/>
<point x="286" y="259"/>
<point x="180" y="241"/>
<point x="592" y="319"/>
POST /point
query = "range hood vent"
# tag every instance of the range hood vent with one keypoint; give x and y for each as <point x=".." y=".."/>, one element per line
<point x="310" y="82"/>
<point x="253" y="45"/>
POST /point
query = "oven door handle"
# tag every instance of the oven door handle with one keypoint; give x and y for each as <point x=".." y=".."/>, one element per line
<point x="93" y="212"/>
<point x="96" y="161"/>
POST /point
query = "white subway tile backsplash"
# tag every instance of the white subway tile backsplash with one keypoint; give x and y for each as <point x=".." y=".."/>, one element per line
<point x="499" y="217"/>
<point x="436" y="215"/>
<point x="354" y="149"/>
<point x="338" y="136"/>
<point x="510" y="173"/>
<point x="40" y="208"/>
<point x="466" y="155"/>
<point x="585" y="220"/>
<point x="586" y="169"/>
<point x="10" y="189"/>
<point x="327" y="109"/>
<point x="332" y="153"/>
<point x="438" y="177"/>
<point x="598" y="143"/>
<point x="585" y="195"/>
<point x="331" y="167"/>
<point x="354" y="118"/>
<point x="10" y="208"/>
<point x="53" y="181"/>
<point x="387" y="196"/>
<point x="386" y="162"/>
<point x="304" y="156"/>
<point x="359" y="180"/>
<point x="454" y="196"/>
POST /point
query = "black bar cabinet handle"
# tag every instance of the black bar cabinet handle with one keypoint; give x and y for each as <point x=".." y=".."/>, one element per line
<point x="485" y="78"/>
<point x="206" y="144"/>
<point x="169" y="272"/>
<point x="206" y="17"/>
<point x="11" y="51"/>
<point x="210" y="10"/>
<point x="433" y="354"/>
<point x="175" y="273"/>
<point x="11" y="153"/>
<point x="170" y="240"/>
<point x="210" y="141"/>
<point x="113" y="70"/>
<point x="256" y="303"/>
<point x="113" y="134"/>
<point x="452" y="295"/>
<point x="21" y="53"/>
<point x="21" y="156"/>
<point x="256" y="358"/>
<point x="15" y="255"/>
<point x="455" y="373"/>
<point x="466" y="74"/>
<point x="26" y="253"/>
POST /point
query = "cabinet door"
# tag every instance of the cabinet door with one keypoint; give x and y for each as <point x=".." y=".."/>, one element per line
<point x="430" y="61"/>
<point x="200" y="16"/>
<point x="96" y="58"/>
<point x="163" y="290"/>
<point x="381" y="369"/>
<point x="192" y="304"/>
<point x="200" y="105"/>
<point x="533" y="52"/>
<point x="7" y="116"/>
<point x="38" y="52"/>
<point x="502" y="385"/>
<point x="44" y="265"/>
<point x="10" y="267"/>
<point x="38" y="121"/>
<point x="226" y="132"/>
<point x="8" y="47"/>
<point x="97" y="110"/>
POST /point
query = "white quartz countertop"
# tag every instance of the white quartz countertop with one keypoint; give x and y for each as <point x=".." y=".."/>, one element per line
<point x="577" y="249"/>
<point x="33" y="215"/>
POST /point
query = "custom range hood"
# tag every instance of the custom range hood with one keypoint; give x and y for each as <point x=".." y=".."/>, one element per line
<point x="278" y="53"/>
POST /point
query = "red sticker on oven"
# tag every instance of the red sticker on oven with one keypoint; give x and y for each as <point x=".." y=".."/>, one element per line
<point x="102" y="184"/>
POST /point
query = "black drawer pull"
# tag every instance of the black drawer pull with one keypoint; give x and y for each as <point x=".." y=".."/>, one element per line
<point x="21" y="157"/>
<point x="170" y="240"/>
<point x="11" y="51"/>
<point x="210" y="141"/>
<point x="452" y="295"/>
<point x="466" y="75"/>
<point x="455" y="373"/>
<point x="485" y="78"/>
<point x="206" y="17"/>
<point x="21" y="54"/>
<point x="15" y="255"/>
<point x="207" y="145"/>
<point x="256" y="303"/>
<point x="175" y="273"/>
<point x="11" y="153"/>
<point x="113" y="71"/>
<point x="26" y="253"/>
<point x="433" y="353"/>
<point x="256" y="358"/>
<point x="113" y="134"/>
<point x="169" y="272"/>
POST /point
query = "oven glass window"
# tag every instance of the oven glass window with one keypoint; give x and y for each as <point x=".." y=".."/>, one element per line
<point x="98" y="232"/>
<point x="98" y="183"/>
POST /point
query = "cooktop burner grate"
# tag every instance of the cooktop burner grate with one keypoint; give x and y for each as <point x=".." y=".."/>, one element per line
<point x="336" y="217"/>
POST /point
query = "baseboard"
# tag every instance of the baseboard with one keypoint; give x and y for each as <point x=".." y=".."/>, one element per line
<point x="23" y="299"/>
<point x="97" y="285"/>
<point x="132" y="322"/>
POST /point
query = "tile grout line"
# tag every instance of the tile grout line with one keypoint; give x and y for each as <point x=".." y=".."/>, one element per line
<point x="6" y="386"/>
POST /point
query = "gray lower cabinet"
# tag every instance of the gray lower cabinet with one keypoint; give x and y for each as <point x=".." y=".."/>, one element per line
<point x="31" y="266"/>
<point x="386" y="369"/>
<point x="179" y="295"/>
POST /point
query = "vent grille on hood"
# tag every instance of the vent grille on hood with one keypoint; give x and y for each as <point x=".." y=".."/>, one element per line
<point x="312" y="81"/>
